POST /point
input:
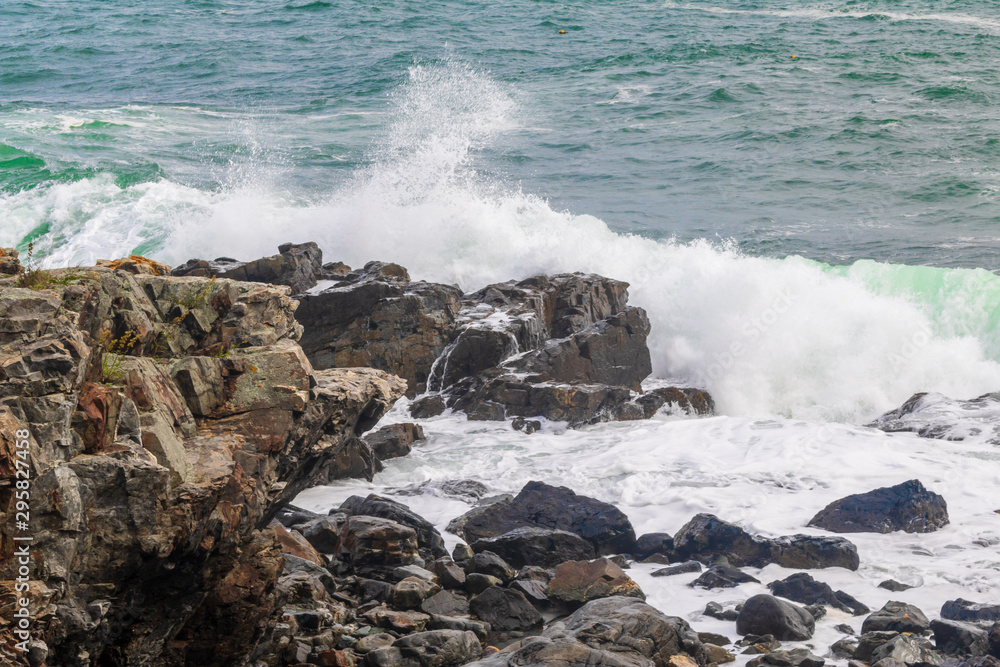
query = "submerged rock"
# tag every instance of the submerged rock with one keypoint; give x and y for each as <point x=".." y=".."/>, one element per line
<point x="932" y="415"/>
<point x="908" y="507"/>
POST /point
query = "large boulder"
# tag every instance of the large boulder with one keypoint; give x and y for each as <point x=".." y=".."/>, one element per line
<point x="611" y="632"/>
<point x="766" y="615"/>
<point x="802" y="587"/>
<point x="428" y="538"/>
<point x="394" y="440"/>
<point x="432" y="648"/>
<point x="960" y="638"/>
<point x="908" y="507"/>
<point x="706" y="538"/>
<point x="536" y="546"/>
<point x="933" y="415"/>
<point x="964" y="610"/>
<point x="897" y="617"/>
<point x="577" y="582"/>
<point x="506" y="610"/>
<point x="378" y="318"/>
<point x="541" y="505"/>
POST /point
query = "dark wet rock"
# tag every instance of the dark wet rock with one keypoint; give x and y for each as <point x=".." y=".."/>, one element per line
<point x="411" y="592"/>
<point x="395" y="440"/>
<point x="477" y="582"/>
<point x="722" y="576"/>
<point x="536" y="546"/>
<point x="579" y="582"/>
<point x="803" y="588"/>
<point x="759" y="644"/>
<point x="994" y="639"/>
<point x="506" y="610"/>
<point x="367" y="590"/>
<point x="449" y="574"/>
<point x="984" y="661"/>
<point x="323" y="532"/>
<point x="433" y="648"/>
<point x="297" y="265"/>
<point x="960" y="638"/>
<point x="764" y="614"/>
<point x="894" y="586"/>
<point x="964" y="610"/>
<point x="844" y="648"/>
<point x="536" y="591"/>
<point x="445" y="603"/>
<point x="428" y="539"/>
<point x="690" y="567"/>
<point x="428" y="406"/>
<point x="487" y="562"/>
<point x="868" y="642"/>
<point x="654" y="543"/>
<point x="611" y="632"/>
<point x="909" y="650"/>
<point x="897" y="617"/>
<point x="462" y="553"/>
<point x="291" y="516"/>
<point x="540" y="505"/>
<point x="908" y="507"/>
<point x="810" y="552"/>
<point x="465" y="624"/>
<point x="705" y="537"/>
<point x="716" y="610"/>
<point x="798" y="657"/>
<point x="377" y="319"/>
<point x="373" y="545"/>
<point x="528" y="426"/>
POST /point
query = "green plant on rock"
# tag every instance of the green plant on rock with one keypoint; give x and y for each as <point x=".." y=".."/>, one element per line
<point x="31" y="275"/>
<point x="198" y="298"/>
<point x="115" y="353"/>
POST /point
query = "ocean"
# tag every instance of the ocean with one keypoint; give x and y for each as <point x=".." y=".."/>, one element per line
<point x="805" y="197"/>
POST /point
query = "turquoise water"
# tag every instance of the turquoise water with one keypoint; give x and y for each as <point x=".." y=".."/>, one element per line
<point x="720" y="155"/>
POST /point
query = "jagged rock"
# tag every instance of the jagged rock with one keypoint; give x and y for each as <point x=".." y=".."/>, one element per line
<point x="323" y="532"/>
<point x="162" y="554"/>
<point x="292" y="542"/>
<point x="433" y="648"/>
<point x="477" y="582"/>
<point x="909" y="650"/>
<point x="411" y="592"/>
<point x="379" y="320"/>
<point x="994" y="639"/>
<point x="462" y="552"/>
<point x="796" y="657"/>
<point x="540" y="505"/>
<point x="960" y="638"/>
<point x="707" y="537"/>
<point x="487" y="562"/>
<point x="404" y="571"/>
<point x="844" y="648"/>
<point x="654" y="543"/>
<point x="578" y="582"/>
<point x="801" y="587"/>
<point x="373" y="545"/>
<point x="428" y="538"/>
<point x="766" y="615"/>
<point x="897" y="617"/>
<point x="964" y="610"/>
<point x="449" y="574"/>
<point x="395" y="440"/>
<point x="402" y="622"/>
<point x="691" y="566"/>
<point x="908" y="507"/>
<point x="445" y="603"/>
<point x="536" y="546"/>
<point x="869" y="642"/>
<point x="933" y="415"/>
<point x="612" y="632"/>
<point x="985" y="661"/>
<point x="463" y="624"/>
<point x="716" y="610"/>
<point x="10" y="265"/>
<point x="374" y="642"/>
<point x="428" y="406"/>
<point x="291" y="516"/>
<point x="506" y="610"/>
<point x="722" y="576"/>
<point x="528" y="426"/>
<point x="297" y="265"/>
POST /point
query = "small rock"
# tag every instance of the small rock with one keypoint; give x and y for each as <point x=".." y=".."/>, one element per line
<point x="477" y="582"/>
<point x="395" y="440"/>
<point x="654" y="543"/>
<point x="449" y="574"/>
<point x="428" y="406"/>
<point x="487" y="562"/>
<point x="764" y="614"/>
<point x="506" y="610"/>
<point x="372" y="642"/>
<point x="445" y="603"/>
<point x="578" y="582"/>
<point x="802" y="587"/>
<point x="528" y="426"/>
<point x="689" y="567"/>
<point x="722" y="576"/>
<point x="715" y="610"/>
<point x="909" y="650"/>
<point x="411" y="592"/>
<point x="897" y="617"/>
<point x="894" y="586"/>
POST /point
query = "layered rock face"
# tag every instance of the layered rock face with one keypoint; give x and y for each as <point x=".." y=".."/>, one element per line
<point x="170" y="418"/>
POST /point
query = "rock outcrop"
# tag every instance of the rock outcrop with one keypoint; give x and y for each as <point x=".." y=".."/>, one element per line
<point x="908" y="507"/>
<point x="170" y="418"/>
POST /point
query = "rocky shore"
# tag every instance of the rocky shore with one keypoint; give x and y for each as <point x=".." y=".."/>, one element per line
<point x="176" y="413"/>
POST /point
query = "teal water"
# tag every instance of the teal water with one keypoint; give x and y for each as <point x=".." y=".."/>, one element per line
<point x="719" y="155"/>
<point x="686" y="119"/>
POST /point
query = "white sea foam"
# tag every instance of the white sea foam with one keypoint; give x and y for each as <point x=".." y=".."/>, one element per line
<point x="768" y="337"/>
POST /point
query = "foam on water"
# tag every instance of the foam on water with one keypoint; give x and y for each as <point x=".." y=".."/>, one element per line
<point x="780" y="337"/>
